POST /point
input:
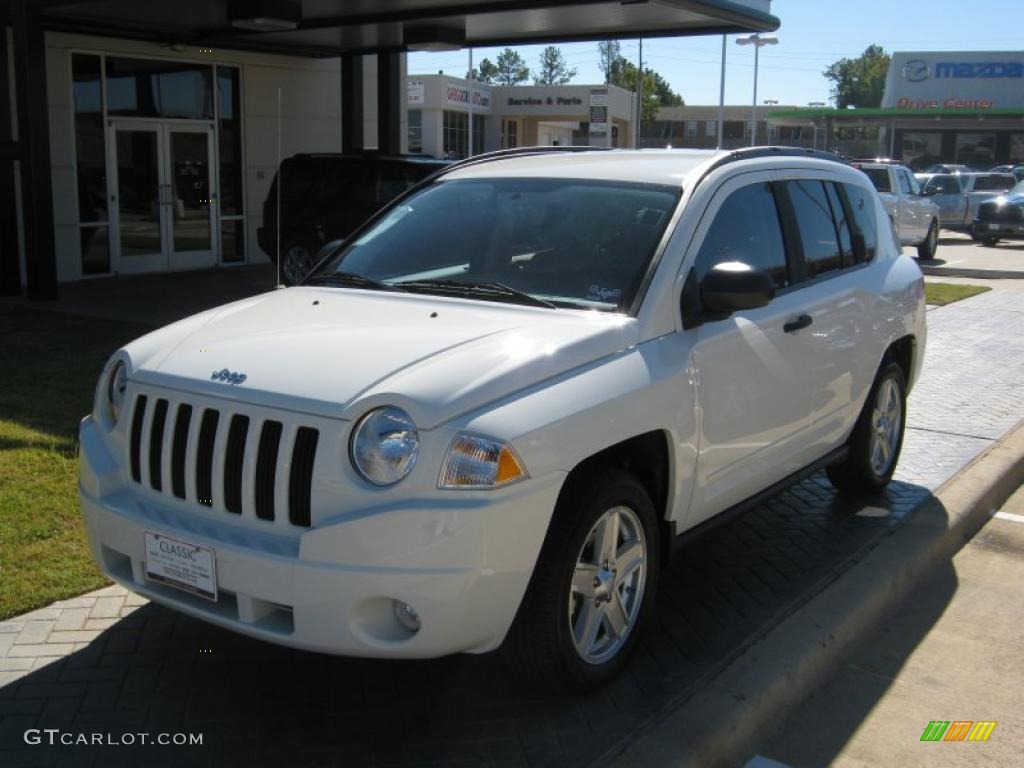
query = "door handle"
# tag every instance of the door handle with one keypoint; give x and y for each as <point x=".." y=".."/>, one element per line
<point x="795" y="325"/>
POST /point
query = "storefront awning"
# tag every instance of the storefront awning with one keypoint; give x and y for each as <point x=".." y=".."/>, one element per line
<point x="333" y="27"/>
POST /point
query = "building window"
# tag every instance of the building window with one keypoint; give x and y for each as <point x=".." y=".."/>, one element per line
<point x="229" y="152"/>
<point x="509" y="133"/>
<point x="456" y="134"/>
<point x="454" y="128"/>
<point x="711" y="129"/>
<point x="733" y="129"/>
<point x="91" y="163"/>
<point x="415" y="131"/>
<point x="156" y="88"/>
<point x="691" y="129"/>
<point x="976" y="149"/>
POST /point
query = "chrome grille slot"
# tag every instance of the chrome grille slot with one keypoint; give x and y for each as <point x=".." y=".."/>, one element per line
<point x="181" y="425"/>
<point x="233" y="461"/>
<point x="136" y="440"/>
<point x="266" y="466"/>
<point x="156" y="442"/>
<point x="300" y="482"/>
<point x="245" y="464"/>
<point x="204" y="457"/>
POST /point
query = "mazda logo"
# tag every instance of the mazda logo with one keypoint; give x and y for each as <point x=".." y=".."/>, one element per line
<point x="915" y="70"/>
<point x="228" y="377"/>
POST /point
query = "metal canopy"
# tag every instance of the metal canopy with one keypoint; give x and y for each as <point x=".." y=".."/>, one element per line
<point x="333" y="27"/>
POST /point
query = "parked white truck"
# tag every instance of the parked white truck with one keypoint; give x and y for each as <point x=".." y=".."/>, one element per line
<point x="914" y="217"/>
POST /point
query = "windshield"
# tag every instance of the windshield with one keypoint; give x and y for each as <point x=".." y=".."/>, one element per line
<point x="575" y="243"/>
<point x="879" y="177"/>
<point x="1018" y="189"/>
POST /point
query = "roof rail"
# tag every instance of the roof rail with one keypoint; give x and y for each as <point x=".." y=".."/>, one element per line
<point x="752" y="153"/>
<point x="500" y="154"/>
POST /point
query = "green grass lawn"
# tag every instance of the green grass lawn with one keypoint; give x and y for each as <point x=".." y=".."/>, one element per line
<point x="940" y="294"/>
<point x="49" y="363"/>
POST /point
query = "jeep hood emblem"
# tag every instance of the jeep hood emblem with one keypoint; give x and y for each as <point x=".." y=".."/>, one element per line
<point x="228" y="377"/>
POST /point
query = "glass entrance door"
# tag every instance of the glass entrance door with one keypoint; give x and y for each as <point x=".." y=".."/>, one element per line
<point x="163" y="196"/>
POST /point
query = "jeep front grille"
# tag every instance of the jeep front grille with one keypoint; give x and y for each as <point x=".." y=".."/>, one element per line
<point x="232" y="462"/>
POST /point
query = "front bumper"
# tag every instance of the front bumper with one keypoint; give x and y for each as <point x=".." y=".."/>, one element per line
<point x="1001" y="229"/>
<point x="462" y="561"/>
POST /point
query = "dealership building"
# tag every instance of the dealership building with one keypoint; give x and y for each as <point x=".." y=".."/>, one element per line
<point x="950" y="107"/>
<point x="143" y="137"/>
<point x="439" y="109"/>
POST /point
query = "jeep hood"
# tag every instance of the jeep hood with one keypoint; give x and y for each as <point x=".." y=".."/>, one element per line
<point x="337" y="352"/>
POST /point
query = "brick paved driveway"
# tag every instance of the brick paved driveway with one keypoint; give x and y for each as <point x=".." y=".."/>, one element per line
<point x="109" y="662"/>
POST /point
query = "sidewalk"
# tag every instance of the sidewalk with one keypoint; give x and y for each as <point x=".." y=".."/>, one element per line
<point x="953" y="652"/>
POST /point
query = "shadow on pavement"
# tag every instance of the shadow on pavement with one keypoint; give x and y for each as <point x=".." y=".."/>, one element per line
<point x="157" y="671"/>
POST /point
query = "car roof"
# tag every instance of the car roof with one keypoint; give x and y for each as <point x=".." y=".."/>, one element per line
<point x="653" y="166"/>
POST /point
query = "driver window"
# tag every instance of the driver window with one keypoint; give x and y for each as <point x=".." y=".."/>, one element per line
<point x="746" y="228"/>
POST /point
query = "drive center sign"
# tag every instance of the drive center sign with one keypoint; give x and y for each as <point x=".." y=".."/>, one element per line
<point x="968" y="81"/>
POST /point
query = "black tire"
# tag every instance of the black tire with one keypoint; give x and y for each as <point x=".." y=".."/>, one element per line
<point x="541" y="639"/>
<point x="297" y="258"/>
<point x="926" y="249"/>
<point x="856" y="474"/>
<point x="990" y="241"/>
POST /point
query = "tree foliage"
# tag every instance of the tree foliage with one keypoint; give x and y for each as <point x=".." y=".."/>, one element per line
<point x="859" y="82"/>
<point x="553" y="70"/>
<point x="608" y="51"/>
<point x="656" y="90"/>
<point x="507" y="69"/>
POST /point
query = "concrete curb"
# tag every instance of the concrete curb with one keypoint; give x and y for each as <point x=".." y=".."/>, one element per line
<point x="724" y="723"/>
<point x="977" y="274"/>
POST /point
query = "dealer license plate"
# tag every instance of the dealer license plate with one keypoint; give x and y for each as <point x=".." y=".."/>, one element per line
<point x="993" y="226"/>
<point x="181" y="565"/>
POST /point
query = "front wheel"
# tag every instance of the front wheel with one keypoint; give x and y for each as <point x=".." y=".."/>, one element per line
<point x="877" y="438"/>
<point x="593" y="586"/>
<point x="297" y="259"/>
<point x="926" y="250"/>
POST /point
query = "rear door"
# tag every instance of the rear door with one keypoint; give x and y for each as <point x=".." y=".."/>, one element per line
<point x="944" y="189"/>
<point x="751" y="374"/>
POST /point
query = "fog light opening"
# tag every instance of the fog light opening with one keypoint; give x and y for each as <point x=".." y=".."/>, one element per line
<point x="406" y="615"/>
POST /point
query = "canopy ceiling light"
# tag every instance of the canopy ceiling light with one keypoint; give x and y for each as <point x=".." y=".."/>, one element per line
<point x="434" y="38"/>
<point x="265" y="15"/>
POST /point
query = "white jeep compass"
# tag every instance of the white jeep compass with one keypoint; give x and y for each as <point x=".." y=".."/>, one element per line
<point x="489" y="415"/>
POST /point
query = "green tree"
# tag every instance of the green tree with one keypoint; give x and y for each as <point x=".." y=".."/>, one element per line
<point x="507" y="69"/>
<point x="553" y="70"/>
<point x="859" y="82"/>
<point x="609" y="51"/>
<point x="657" y="92"/>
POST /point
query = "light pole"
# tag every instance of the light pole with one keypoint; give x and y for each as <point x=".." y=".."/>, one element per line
<point x="757" y="41"/>
<point x="816" y="104"/>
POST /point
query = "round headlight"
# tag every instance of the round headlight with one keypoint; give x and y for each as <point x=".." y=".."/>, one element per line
<point x="117" y="383"/>
<point x="385" y="445"/>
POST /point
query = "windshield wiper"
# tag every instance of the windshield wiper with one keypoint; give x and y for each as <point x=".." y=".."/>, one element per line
<point x="350" y="279"/>
<point x="485" y="291"/>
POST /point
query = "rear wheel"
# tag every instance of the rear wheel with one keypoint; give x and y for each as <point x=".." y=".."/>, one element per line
<point x="874" y="445"/>
<point x="926" y="250"/>
<point x="593" y="586"/>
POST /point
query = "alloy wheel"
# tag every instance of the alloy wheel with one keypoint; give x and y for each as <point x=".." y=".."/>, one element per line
<point x="296" y="263"/>
<point x="886" y="420"/>
<point x="608" y="585"/>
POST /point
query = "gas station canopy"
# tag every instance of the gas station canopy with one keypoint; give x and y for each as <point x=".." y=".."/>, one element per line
<point x="334" y="27"/>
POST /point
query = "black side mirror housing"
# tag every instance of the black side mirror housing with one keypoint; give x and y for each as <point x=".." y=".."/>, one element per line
<point x="732" y="286"/>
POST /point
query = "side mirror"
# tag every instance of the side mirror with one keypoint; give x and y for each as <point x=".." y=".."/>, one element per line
<point x="732" y="286"/>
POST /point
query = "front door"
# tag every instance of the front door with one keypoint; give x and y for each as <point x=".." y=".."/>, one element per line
<point x="162" y="196"/>
<point x="751" y="369"/>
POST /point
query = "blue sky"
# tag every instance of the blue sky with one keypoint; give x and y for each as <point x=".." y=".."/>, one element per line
<point x="814" y="33"/>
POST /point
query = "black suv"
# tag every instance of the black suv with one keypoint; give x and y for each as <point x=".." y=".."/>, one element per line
<point x="326" y="196"/>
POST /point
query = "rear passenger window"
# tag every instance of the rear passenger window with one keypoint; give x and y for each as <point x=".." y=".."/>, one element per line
<point x="842" y="225"/>
<point x="817" y="229"/>
<point x="862" y="208"/>
<point x="746" y="228"/>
